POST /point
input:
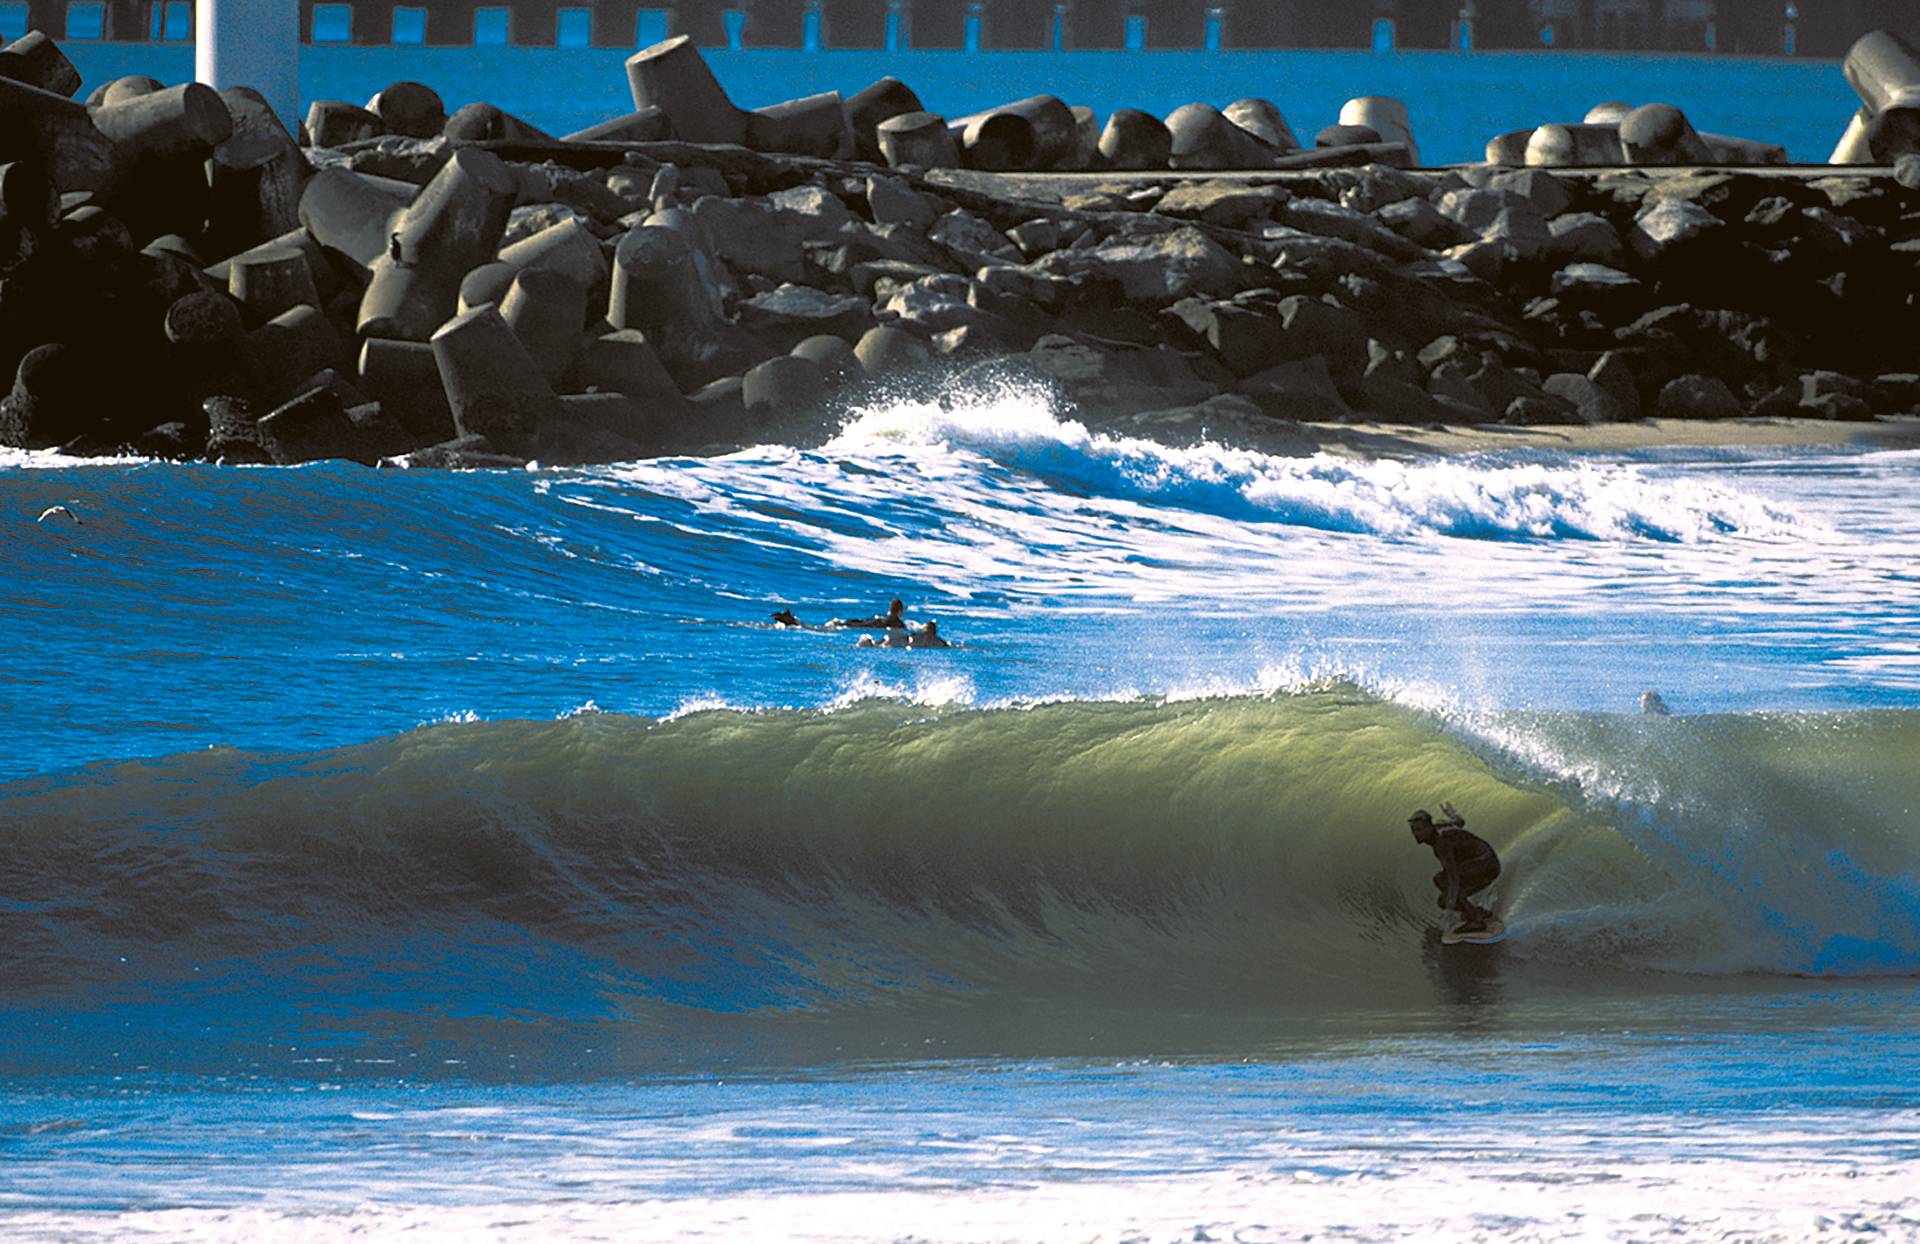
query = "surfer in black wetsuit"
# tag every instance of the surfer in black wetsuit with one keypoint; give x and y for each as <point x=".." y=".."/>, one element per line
<point x="785" y="618"/>
<point x="894" y="621"/>
<point x="1467" y="864"/>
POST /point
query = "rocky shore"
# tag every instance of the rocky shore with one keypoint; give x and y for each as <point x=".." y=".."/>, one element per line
<point x="182" y="277"/>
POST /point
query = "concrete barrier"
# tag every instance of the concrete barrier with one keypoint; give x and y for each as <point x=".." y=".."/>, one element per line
<point x="493" y="387"/>
<point x="673" y="77"/>
<point x="454" y="226"/>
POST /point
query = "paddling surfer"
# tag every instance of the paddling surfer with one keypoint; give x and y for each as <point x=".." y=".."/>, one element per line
<point x="1468" y="864"/>
<point x="895" y="620"/>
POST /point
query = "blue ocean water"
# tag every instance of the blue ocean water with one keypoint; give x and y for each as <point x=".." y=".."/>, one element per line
<point x="469" y="854"/>
<point x="1457" y="102"/>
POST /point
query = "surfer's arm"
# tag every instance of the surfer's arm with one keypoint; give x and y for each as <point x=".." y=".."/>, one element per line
<point x="1454" y="819"/>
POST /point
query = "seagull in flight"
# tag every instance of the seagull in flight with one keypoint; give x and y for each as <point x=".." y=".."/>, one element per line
<point x="62" y="510"/>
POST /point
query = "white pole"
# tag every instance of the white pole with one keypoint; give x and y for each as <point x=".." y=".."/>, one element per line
<point x="252" y="43"/>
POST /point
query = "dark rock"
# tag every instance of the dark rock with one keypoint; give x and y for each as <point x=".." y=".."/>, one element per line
<point x="1528" y="410"/>
<point x="311" y="427"/>
<point x="463" y="453"/>
<point x="1612" y="372"/>
<point x="1157" y="270"/>
<point x="782" y="318"/>
<point x="782" y="386"/>
<point x="1310" y="326"/>
<point x="887" y="351"/>
<point x="1234" y="205"/>
<point x="1695" y="396"/>
<point x="1392" y="399"/>
<point x="1548" y="194"/>
<point x="233" y="432"/>
<point x="1247" y="340"/>
<point x="1670" y="227"/>
<point x="837" y="362"/>
<point x="1421" y="223"/>
<point x="1606" y="291"/>
<point x="1584" y="237"/>
<point x="1590" y="401"/>
<point x="1301" y="389"/>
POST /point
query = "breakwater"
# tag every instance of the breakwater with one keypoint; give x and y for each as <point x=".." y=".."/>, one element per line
<point x="398" y="283"/>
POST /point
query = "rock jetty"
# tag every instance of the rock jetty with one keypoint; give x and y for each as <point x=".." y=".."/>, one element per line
<point x="181" y="276"/>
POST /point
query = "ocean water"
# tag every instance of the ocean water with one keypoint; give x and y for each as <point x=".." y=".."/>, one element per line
<point x="1457" y="102"/>
<point x="467" y="855"/>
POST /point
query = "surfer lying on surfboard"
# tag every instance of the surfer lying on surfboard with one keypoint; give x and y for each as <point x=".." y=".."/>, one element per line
<point x="1467" y="865"/>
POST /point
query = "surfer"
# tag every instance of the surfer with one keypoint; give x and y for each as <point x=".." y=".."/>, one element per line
<point x="927" y="636"/>
<point x="894" y="621"/>
<point x="785" y="618"/>
<point x="1468" y="864"/>
<point x="1651" y="705"/>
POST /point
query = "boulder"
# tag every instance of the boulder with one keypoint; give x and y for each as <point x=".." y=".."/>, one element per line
<point x="1247" y="339"/>
<point x="1585" y="237"/>
<point x="783" y="317"/>
<point x="1156" y="270"/>
<point x="1301" y="389"/>
<point x="1591" y="402"/>
<point x="1696" y="396"/>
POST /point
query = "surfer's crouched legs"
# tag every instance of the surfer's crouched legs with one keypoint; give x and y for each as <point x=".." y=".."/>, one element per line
<point x="1471" y="883"/>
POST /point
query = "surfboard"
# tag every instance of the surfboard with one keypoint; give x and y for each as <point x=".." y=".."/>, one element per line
<point x="1495" y="930"/>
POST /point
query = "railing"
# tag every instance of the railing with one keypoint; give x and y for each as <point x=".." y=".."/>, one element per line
<point x="1753" y="27"/>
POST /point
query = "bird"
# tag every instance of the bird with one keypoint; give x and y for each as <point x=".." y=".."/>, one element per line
<point x="52" y="510"/>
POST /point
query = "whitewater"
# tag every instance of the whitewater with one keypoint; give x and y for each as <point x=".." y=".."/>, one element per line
<point x="470" y="855"/>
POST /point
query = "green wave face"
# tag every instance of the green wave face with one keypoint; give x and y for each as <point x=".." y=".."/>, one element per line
<point x="1211" y="850"/>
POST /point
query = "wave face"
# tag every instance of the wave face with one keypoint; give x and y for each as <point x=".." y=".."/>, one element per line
<point x="1213" y="850"/>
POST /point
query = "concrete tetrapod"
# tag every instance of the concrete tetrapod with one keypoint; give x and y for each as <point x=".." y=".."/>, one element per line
<point x="1135" y="140"/>
<point x="451" y="228"/>
<point x="1262" y="119"/>
<point x="404" y="377"/>
<point x="865" y="110"/>
<point x="353" y="214"/>
<point x="290" y="347"/>
<point x="1385" y="116"/>
<point x="268" y="282"/>
<point x="622" y="361"/>
<point x="1661" y="134"/>
<point x="188" y="120"/>
<point x="1884" y="71"/>
<point x="479" y="123"/>
<point x="487" y="283"/>
<point x="335" y="123"/>
<point x="1853" y="147"/>
<point x="814" y="126"/>
<point x="326" y="279"/>
<point x="568" y="247"/>
<point x="657" y="289"/>
<point x="257" y="175"/>
<point x="547" y="311"/>
<point x="673" y="77"/>
<point x="1574" y="146"/>
<point x="50" y="128"/>
<point x="920" y="139"/>
<point x="37" y="60"/>
<point x="1033" y="133"/>
<point x="493" y="387"/>
<point x="409" y="109"/>
<point x="649" y="125"/>
<point x="1204" y="140"/>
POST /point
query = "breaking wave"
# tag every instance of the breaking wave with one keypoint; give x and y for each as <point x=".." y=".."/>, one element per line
<point x="726" y="861"/>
